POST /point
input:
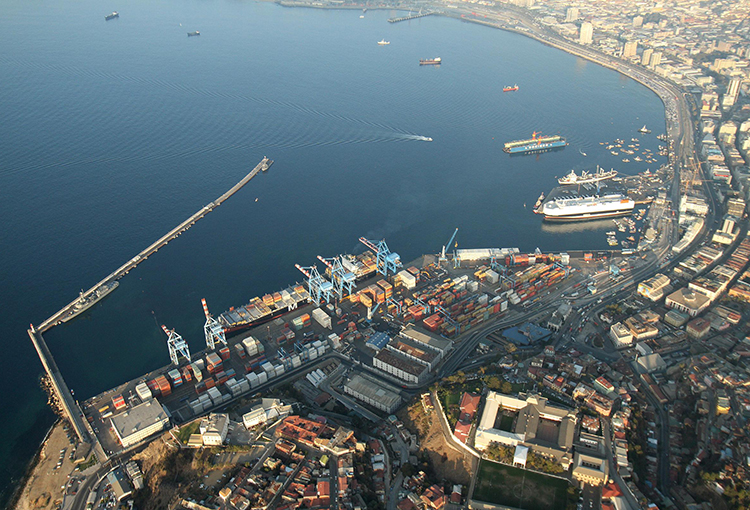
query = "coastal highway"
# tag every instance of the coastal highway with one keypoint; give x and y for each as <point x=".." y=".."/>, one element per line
<point x="55" y="319"/>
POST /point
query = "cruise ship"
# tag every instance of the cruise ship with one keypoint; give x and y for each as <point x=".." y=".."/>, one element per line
<point x="85" y="302"/>
<point x="535" y="144"/>
<point x="587" y="208"/>
<point x="585" y="177"/>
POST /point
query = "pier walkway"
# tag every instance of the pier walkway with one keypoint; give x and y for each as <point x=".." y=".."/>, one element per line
<point x="154" y="247"/>
<point x="411" y="16"/>
<point x="68" y="403"/>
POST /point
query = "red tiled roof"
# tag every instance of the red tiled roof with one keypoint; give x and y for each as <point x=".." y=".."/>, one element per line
<point x="462" y="431"/>
<point x="470" y="403"/>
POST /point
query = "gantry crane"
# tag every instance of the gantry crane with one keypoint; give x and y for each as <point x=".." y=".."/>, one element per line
<point x="320" y="289"/>
<point x="443" y="258"/>
<point x="212" y="330"/>
<point x="343" y="280"/>
<point x="176" y="345"/>
<point x="385" y="258"/>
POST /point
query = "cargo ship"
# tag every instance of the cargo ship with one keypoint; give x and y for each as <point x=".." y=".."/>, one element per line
<point x="193" y="34"/>
<point x="585" y="177"/>
<point x="431" y="61"/>
<point x="587" y="208"/>
<point x="85" y="302"/>
<point x="535" y="144"/>
<point x="510" y="88"/>
<point x="112" y="16"/>
<point x="261" y="310"/>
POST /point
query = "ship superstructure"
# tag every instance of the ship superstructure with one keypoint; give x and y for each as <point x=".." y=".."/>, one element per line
<point x="535" y="144"/>
<point x="585" y="177"/>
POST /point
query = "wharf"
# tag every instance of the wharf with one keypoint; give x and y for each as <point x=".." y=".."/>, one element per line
<point x="56" y="318"/>
<point x="411" y="16"/>
<point x="69" y="405"/>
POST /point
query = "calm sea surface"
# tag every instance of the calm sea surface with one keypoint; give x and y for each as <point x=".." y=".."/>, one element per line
<point x="113" y="132"/>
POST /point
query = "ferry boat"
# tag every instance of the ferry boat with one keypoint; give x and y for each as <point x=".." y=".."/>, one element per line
<point x="587" y="208"/>
<point x="85" y="302"/>
<point x="384" y="42"/>
<point x="644" y="130"/>
<point x="431" y="61"/>
<point x="585" y="177"/>
<point x="535" y="144"/>
<point x="510" y="88"/>
<point x="193" y="34"/>
<point x="112" y="16"/>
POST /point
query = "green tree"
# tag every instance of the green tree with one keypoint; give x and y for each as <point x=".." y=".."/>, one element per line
<point x="506" y="387"/>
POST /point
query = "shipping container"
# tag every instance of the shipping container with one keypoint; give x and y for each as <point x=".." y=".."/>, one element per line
<point x="224" y="353"/>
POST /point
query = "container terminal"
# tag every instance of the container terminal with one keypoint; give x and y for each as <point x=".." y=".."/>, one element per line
<point x="399" y="323"/>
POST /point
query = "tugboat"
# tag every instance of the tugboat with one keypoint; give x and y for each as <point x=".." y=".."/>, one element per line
<point x="112" y="16"/>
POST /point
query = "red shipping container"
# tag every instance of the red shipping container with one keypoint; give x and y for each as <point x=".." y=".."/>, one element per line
<point x="187" y="374"/>
<point x="224" y="353"/>
<point x="210" y="383"/>
<point x="200" y="388"/>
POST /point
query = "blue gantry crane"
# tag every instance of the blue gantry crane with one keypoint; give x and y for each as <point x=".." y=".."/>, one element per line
<point x="385" y="258"/>
<point x="319" y="288"/>
<point x="343" y="280"/>
<point x="176" y="345"/>
<point x="212" y="330"/>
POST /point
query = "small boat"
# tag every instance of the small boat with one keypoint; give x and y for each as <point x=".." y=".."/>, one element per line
<point x="193" y="34"/>
<point x="112" y="16"/>
<point x="384" y="42"/>
<point x="362" y="16"/>
<point x="615" y="153"/>
<point x="644" y="130"/>
<point x="582" y="153"/>
<point x="611" y="233"/>
<point x="509" y="88"/>
<point x="626" y="160"/>
<point x="430" y="61"/>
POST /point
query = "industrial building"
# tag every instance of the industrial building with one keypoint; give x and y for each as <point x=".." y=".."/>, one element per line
<point x="140" y="422"/>
<point x="653" y="288"/>
<point x="440" y="345"/>
<point x="400" y="366"/>
<point x="374" y="393"/>
<point x="413" y="351"/>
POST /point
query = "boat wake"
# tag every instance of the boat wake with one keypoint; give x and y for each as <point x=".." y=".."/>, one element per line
<point x="418" y="138"/>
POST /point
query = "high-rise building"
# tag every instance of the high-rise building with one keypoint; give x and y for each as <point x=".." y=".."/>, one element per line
<point x="587" y="33"/>
<point x="571" y="14"/>
<point x="733" y="91"/>
<point x="646" y="57"/>
<point x="630" y="49"/>
<point x="638" y="22"/>
<point x="655" y="59"/>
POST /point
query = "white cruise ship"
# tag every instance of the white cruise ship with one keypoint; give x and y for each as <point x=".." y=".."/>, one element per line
<point x="587" y="208"/>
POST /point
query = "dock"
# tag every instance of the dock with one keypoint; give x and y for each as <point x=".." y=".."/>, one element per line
<point x="55" y="319"/>
<point x="411" y="16"/>
<point x="68" y="403"/>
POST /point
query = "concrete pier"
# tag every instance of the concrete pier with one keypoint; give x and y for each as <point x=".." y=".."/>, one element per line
<point x="264" y="164"/>
<point x="412" y="16"/>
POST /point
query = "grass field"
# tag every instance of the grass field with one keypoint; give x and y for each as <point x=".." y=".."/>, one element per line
<point x="185" y="432"/>
<point x="453" y="398"/>
<point x="505" y="485"/>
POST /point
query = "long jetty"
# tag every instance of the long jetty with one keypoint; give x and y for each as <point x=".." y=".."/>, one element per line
<point x="69" y="405"/>
<point x="411" y="16"/>
<point x="154" y="247"/>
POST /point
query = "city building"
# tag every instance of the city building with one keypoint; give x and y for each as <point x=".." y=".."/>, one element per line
<point x="630" y="49"/>
<point x="590" y="469"/>
<point x="587" y="33"/>
<point x="653" y="288"/>
<point x="214" y="428"/>
<point x="139" y="422"/>
<point x="651" y="363"/>
<point x="529" y="420"/>
<point x="571" y="14"/>
<point x="620" y="335"/>
<point x="120" y="485"/>
<point x="698" y="328"/>
<point x="374" y="393"/>
<point x="687" y="301"/>
<point x="270" y="409"/>
<point x="646" y="56"/>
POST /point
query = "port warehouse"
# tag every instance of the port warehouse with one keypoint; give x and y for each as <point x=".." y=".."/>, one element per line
<point x="294" y="344"/>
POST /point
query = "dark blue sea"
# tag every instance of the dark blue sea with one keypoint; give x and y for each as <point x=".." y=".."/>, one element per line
<point x="111" y="133"/>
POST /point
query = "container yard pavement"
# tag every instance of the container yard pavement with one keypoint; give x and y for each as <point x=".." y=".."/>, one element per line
<point x="517" y="488"/>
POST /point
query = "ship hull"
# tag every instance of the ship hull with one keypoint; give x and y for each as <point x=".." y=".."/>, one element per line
<point x="236" y="328"/>
<point x="76" y="313"/>
<point x="586" y="216"/>
<point x="544" y="147"/>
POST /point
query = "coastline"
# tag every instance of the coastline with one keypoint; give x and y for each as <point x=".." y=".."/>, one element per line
<point x="30" y="471"/>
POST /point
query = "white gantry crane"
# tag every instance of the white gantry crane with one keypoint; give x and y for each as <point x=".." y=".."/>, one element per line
<point x="212" y="330"/>
<point x="176" y="345"/>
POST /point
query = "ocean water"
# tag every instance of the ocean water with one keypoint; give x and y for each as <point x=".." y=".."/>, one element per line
<point x="111" y="133"/>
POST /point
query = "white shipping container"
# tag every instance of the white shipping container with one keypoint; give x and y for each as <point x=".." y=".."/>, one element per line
<point x="321" y="350"/>
<point x="143" y="392"/>
<point x="482" y="300"/>
<point x="322" y="318"/>
<point x="262" y="377"/>
<point x="472" y="286"/>
<point x="279" y="370"/>
<point x="313" y="354"/>
<point x="296" y="361"/>
<point x="503" y="306"/>
<point x="252" y="378"/>
<point x="492" y="276"/>
<point x="267" y="367"/>
<point x="407" y="279"/>
<point x="200" y="363"/>
<point x="204" y="398"/>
